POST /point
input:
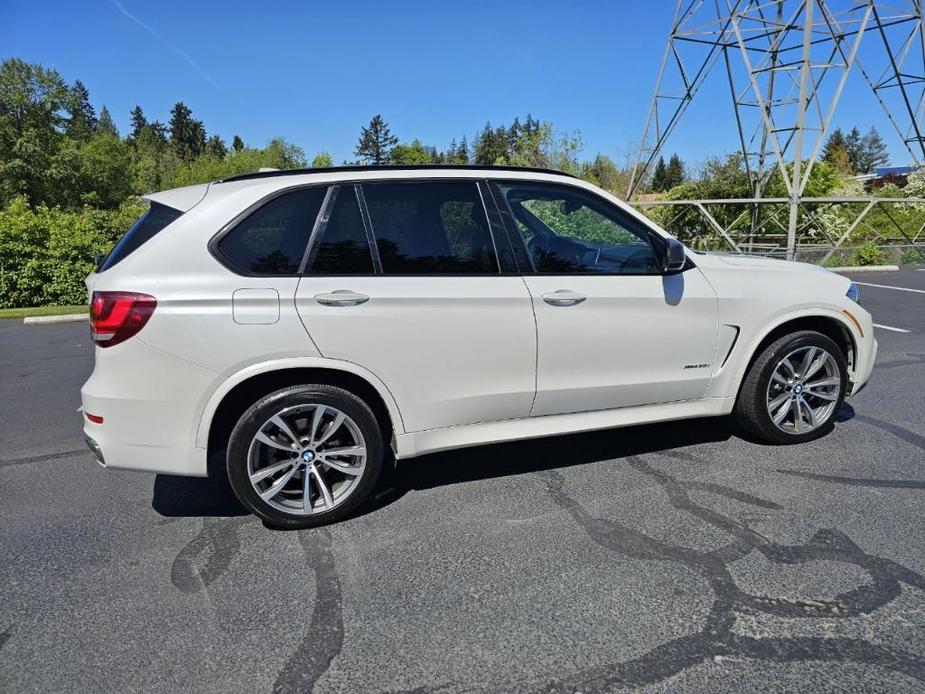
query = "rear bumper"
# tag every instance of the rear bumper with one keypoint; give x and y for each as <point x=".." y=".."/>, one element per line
<point x="149" y="403"/>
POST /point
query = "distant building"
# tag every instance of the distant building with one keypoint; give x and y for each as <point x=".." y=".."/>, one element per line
<point x="897" y="175"/>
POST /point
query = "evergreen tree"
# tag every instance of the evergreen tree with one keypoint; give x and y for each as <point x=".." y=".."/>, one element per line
<point x="659" y="176"/>
<point x="873" y="152"/>
<point x="237" y="144"/>
<point x="853" y="146"/>
<point x="462" y="152"/>
<point x="187" y="135"/>
<point x="82" y="122"/>
<point x="139" y="123"/>
<point x="376" y="142"/>
<point x="215" y="147"/>
<point x="491" y="146"/>
<point x="674" y="173"/>
<point x="835" y="142"/>
<point x="106" y="125"/>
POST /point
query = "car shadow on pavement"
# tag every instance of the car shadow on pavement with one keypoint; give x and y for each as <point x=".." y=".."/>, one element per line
<point x="538" y="455"/>
<point x="211" y="496"/>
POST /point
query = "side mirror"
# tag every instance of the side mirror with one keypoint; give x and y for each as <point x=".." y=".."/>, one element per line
<point x="675" y="257"/>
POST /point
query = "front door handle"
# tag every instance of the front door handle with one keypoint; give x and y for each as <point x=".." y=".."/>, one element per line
<point x="563" y="297"/>
<point x="341" y="297"/>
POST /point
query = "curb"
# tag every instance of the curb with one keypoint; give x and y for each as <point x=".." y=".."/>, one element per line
<point x="66" y="318"/>
<point x="866" y="268"/>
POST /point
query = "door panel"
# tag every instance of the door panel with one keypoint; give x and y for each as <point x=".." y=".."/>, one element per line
<point x="452" y="350"/>
<point x="634" y="340"/>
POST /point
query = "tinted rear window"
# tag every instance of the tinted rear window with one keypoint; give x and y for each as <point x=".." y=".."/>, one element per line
<point x="272" y="239"/>
<point x="430" y="228"/>
<point x="343" y="248"/>
<point x="142" y="231"/>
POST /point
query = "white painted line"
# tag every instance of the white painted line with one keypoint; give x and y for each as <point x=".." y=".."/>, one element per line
<point x="887" y="286"/>
<point x="891" y="328"/>
<point x="66" y="318"/>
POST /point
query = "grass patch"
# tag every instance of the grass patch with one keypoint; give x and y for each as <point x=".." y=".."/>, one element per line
<point x="42" y="311"/>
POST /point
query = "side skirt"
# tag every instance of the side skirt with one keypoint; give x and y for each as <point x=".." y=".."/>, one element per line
<point x="432" y="440"/>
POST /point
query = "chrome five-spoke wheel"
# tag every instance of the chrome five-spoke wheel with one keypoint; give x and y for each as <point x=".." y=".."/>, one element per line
<point x="306" y="459"/>
<point x="804" y="390"/>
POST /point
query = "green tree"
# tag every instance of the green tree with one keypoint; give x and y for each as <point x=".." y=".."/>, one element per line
<point x="237" y="144"/>
<point x="215" y="147"/>
<point x="853" y="146"/>
<point x="106" y="125"/>
<point x="322" y="160"/>
<point x="491" y="146"/>
<point x="82" y="122"/>
<point x="139" y="122"/>
<point x="414" y="153"/>
<point x="602" y="172"/>
<point x="659" y="175"/>
<point x="33" y="101"/>
<point x="187" y="135"/>
<point x="674" y="173"/>
<point x="376" y="142"/>
<point x="872" y="152"/>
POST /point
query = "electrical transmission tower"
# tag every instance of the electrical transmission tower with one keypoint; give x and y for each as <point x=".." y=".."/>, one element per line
<point x="786" y="63"/>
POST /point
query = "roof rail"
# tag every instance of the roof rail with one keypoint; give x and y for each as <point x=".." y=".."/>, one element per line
<point x="391" y="167"/>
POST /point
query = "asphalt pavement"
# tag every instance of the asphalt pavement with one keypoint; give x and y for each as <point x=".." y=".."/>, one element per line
<point x="662" y="558"/>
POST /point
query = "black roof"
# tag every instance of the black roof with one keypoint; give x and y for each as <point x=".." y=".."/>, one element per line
<point x="391" y="167"/>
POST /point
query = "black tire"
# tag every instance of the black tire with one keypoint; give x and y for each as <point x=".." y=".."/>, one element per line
<point x="309" y="394"/>
<point x="751" y="410"/>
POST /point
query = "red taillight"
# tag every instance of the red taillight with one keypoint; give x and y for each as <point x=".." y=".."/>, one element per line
<point x="95" y="418"/>
<point x="116" y="316"/>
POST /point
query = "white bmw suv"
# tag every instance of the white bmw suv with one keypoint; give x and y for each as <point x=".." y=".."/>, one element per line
<point x="304" y="322"/>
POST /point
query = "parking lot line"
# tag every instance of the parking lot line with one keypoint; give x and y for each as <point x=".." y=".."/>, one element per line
<point x="887" y="286"/>
<point x="889" y="327"/>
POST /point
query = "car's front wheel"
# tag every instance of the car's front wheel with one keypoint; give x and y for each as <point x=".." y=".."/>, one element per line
<point x="793" y="389"/>
<point x="305" y="455"/>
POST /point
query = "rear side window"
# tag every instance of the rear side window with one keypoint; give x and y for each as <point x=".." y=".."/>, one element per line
<point x="271" y="240"/>
<point x="343" y="247"/>
<point x="150" y="223"/>
<point x="433" y="227"/>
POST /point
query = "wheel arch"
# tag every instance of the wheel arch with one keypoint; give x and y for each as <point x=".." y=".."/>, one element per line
<point x="241" y="390"/>
<point x="830" y="323"/>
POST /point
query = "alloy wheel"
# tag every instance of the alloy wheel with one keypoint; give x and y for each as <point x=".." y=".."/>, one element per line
<point x="306" y="459"/>
<point x="804" y="389"/>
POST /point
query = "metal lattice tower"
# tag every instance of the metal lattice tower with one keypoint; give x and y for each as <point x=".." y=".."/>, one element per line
<point x="786" y="63"/>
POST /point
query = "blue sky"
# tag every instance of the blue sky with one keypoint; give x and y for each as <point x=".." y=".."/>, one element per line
<point x="315" y="72"/>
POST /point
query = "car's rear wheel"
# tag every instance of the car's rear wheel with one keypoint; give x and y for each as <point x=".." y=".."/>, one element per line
<point x="793" y="389"/>
<point x="305" y="456"/>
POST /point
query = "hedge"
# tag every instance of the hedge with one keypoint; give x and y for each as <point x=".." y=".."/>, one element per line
<point x="45" y="253"/>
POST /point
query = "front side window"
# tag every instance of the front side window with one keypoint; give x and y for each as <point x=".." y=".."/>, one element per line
<point x="569" y="231"/>
<point x="271" y="240"/>
<point x="430" y="227"/>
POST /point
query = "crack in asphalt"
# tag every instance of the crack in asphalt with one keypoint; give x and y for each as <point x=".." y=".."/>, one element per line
<point x="906" y="435"/>
<point x="218" y="540"/>
<point x="857" y="481"/>
<point x="323" y="638"/>
<point x="43" y="458"/>
<point x="716" y="637"/>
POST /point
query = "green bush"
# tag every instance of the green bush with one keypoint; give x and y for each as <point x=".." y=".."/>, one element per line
<point x="45" y="253"/>
<point x="913" y="256"/>
<point x="868" y="254"/>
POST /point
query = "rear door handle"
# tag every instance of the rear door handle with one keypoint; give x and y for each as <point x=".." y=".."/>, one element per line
<point x="341" y="297"/>
<point x="563" y="297"/>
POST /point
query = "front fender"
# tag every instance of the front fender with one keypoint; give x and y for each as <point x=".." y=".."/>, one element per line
<point x="727" y="380"/>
